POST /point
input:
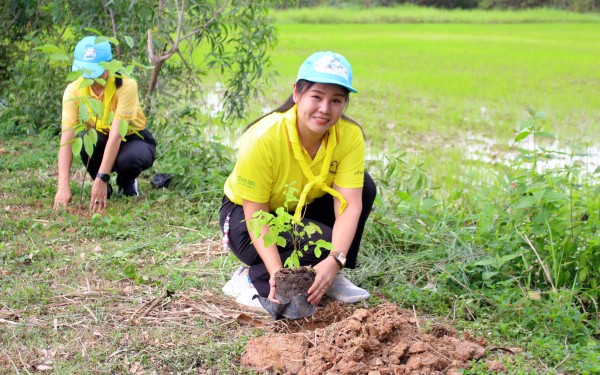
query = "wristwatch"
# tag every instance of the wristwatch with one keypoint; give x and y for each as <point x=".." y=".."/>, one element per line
<point x="103" y="176"/>
<point x="340" y="258"/>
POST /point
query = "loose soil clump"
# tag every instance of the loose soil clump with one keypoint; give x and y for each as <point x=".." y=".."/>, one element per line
<point x="383" y="340"/>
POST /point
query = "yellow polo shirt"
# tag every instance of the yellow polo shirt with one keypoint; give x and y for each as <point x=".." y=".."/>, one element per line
<point x="124" y="104"/>
<point x="266" y="162"/>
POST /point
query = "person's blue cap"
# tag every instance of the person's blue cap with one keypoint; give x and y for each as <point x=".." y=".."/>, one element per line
<point x="327" y="67"/>
<point x="88" y="54"/>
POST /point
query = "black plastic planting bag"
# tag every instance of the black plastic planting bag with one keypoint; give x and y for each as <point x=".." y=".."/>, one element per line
<point x="296" y="308"/>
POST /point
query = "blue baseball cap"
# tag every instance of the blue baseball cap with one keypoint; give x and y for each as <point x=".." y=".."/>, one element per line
<point x="88" y="54"/>
<point x="327" y="67"/>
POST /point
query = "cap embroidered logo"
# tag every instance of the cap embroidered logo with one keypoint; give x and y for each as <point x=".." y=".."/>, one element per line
<point x="331" y="65"/>
<point x="327" y="67"/>
<point x="89" y="54"/>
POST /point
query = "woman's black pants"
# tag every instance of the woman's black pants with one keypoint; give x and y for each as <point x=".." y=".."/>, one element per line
<point x="135" y="155"/>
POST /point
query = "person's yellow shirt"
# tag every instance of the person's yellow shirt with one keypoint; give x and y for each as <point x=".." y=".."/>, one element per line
<point x="266" y="162"/>
<point x="124" y="104"/>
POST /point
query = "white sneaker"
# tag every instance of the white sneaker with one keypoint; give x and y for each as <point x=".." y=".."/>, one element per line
<point x="343" y="290"/>
<point x="241" y="289"/>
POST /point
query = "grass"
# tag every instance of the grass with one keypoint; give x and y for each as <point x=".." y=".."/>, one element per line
<point x="72" y="283"/>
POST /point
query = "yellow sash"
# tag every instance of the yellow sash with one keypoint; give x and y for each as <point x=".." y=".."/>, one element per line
<point x="313" y="181"/>
<point x="109" y="91"/>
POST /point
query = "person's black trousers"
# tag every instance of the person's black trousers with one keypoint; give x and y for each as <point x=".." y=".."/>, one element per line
<point x="135" y="155"/>
<point x="320" y="212"/>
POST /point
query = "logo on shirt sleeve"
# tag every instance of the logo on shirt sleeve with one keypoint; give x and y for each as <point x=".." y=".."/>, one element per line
<point x="333" y="167"/>
<point x="245" y="182"/>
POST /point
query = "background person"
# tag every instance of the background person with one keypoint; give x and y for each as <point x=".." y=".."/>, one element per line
<point x="119" y="96"/>
<point x="310" y="142"/>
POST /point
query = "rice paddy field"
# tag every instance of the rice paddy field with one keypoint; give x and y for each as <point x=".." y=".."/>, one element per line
<point x="454" y="85"/>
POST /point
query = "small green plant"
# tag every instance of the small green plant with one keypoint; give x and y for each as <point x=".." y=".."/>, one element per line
<point x="282" y="222"/>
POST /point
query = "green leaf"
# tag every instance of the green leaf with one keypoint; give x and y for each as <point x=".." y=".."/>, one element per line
<point x="129" y="271"/>
<point x="128" y="70"/>
<point x="112" y="66"/>
<point x="281" y="242"/>
<point x="522" y="135"/>
<point x="318" y="252"/>
<point x="97" y="107"/>
<point x="269" y="239"/>
<point x="488" y="275"/>
<point x="485" y="262"/>
<point x="553" y="196"/>
<point x="123" y="127"/>
<point x="508" y="257"/>
<point x="84" y="114"/>
<point x="86" y="82"/>
<point x="583" y="274"/>
<point x="50" y="49"/>
<point x="93" y="134"/>
<point x="110" y="117"/>
<point x="72" y="76"/>
<point x="76" y="147"/>
<point x="525" y="202"/>
<point x="87" y="144"/>
<point x="114" y="41"/>
<point x="97" y="32"/>
<point x="129" y="41"/>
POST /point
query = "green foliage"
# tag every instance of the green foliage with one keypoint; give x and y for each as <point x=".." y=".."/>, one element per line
<point x="524" y="248"/>
<point x="199" y="166"/>
<point x="282" y="221"/>
<point x="229" y="43"/>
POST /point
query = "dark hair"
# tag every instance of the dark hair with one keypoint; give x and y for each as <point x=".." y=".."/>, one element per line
<point x="303" y="85"/>
<point x="118" y="81"/>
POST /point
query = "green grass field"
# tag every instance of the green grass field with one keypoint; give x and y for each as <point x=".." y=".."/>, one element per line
<point x="452" y="78"/>
<point x="72" y="284"/>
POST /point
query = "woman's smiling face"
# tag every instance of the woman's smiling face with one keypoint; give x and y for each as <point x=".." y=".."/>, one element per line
<point x="319" y="107"/>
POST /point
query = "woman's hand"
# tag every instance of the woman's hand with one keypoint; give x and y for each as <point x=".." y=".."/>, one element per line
<point x="271" y="295"/>
<point x="63" y="198"/>
<point x="325" y="272"/>
<point x="99" y="196"/>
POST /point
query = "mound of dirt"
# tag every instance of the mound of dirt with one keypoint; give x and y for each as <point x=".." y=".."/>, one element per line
<point x="383" y="340"/>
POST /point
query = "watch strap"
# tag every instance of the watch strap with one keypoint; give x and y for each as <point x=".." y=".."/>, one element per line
<point x="103" y="176"/>
<point x="340" y="258"/>
<point x="339" y="262"/>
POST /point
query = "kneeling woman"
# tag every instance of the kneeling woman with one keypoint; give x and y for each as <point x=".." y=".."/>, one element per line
<point x="308" y="143"/>
<point x="118" y="97"/>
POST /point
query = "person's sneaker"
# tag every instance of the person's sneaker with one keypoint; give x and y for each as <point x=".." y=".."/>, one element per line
<point x="343" y="290"/>
<point x="241" y="289"/>
<point x="130" y="188"/>
<point x="109" y="192"/>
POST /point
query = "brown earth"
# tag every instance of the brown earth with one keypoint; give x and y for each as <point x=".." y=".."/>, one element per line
<point x="382" y="340"/>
